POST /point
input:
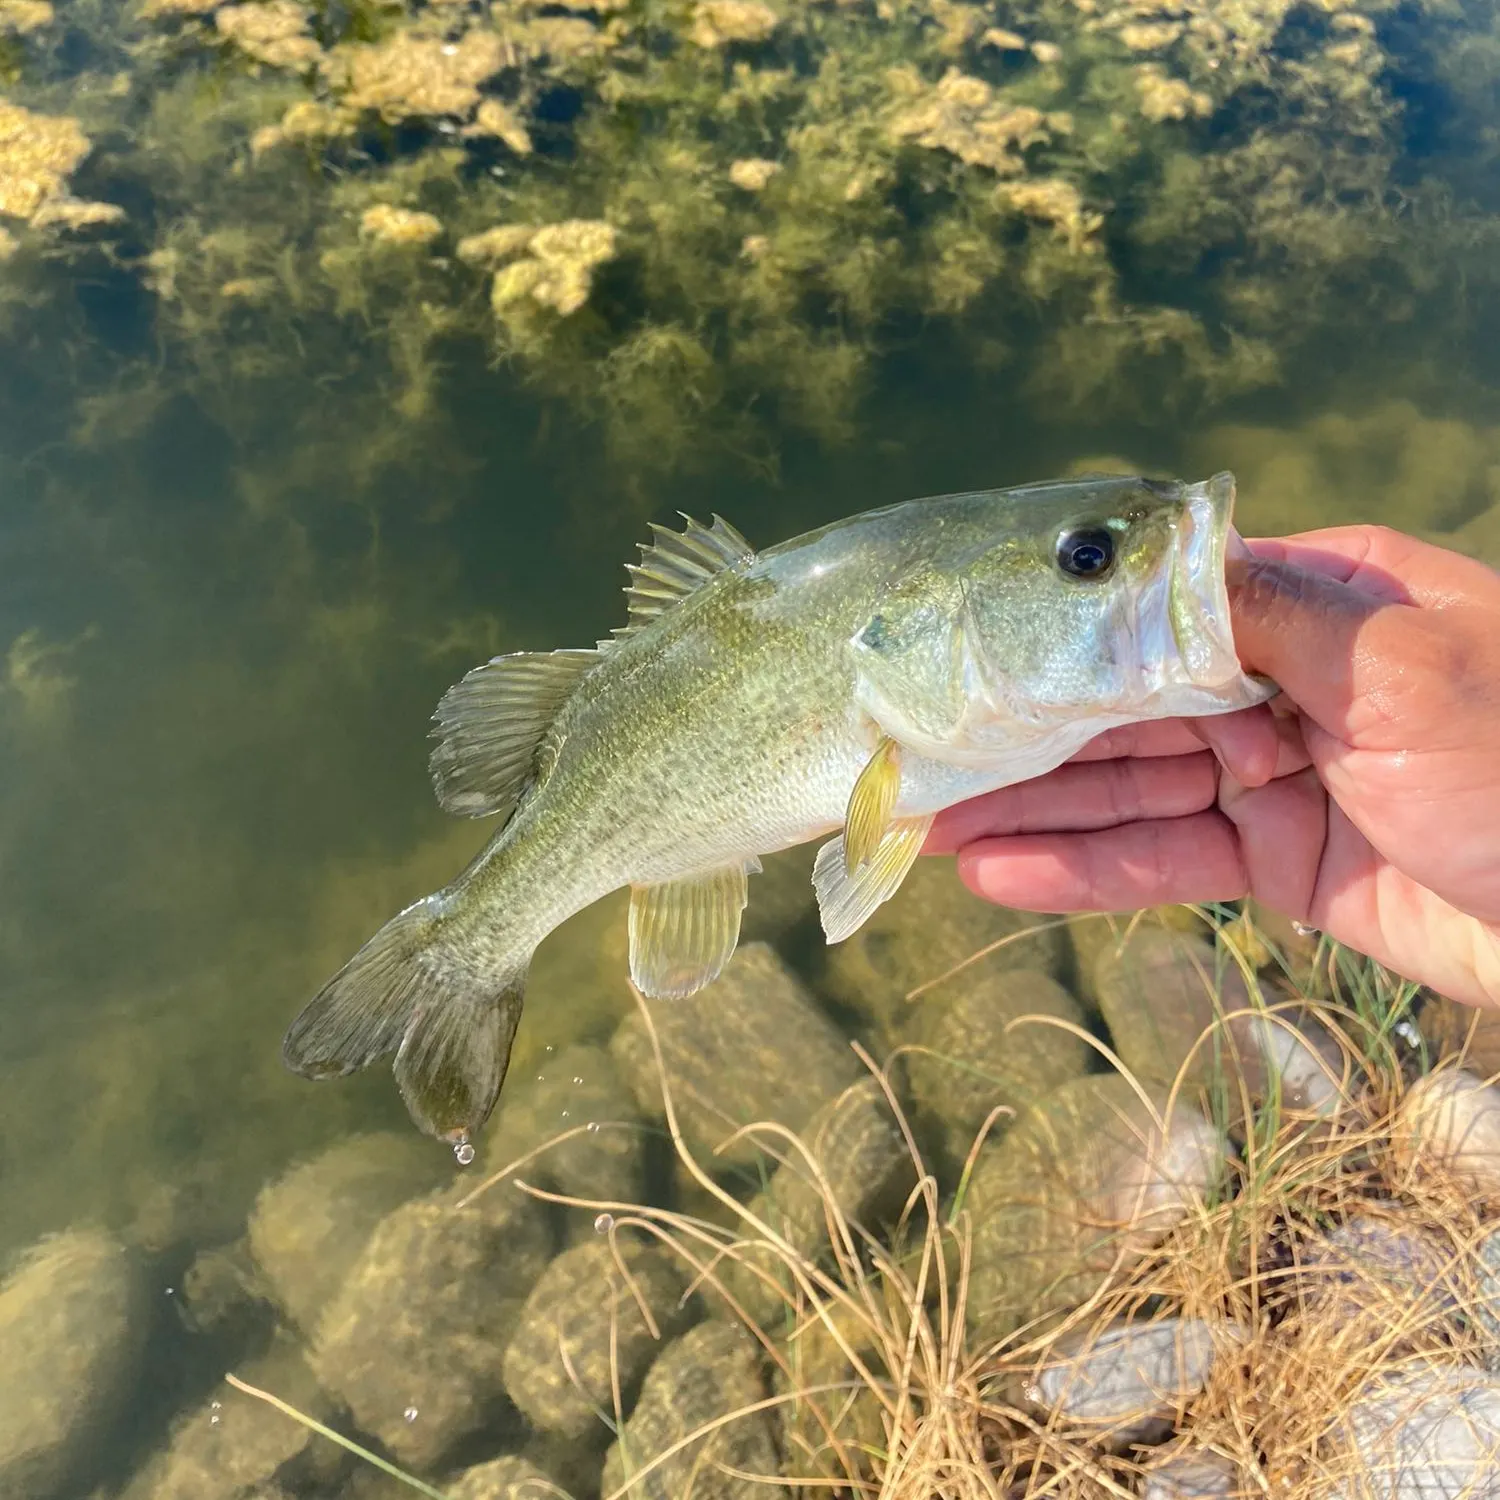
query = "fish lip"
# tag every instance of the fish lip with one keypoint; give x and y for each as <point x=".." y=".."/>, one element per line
<point x="1198" y="593"/>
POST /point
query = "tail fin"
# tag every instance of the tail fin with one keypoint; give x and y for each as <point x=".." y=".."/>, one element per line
<point x="406" y="991"/>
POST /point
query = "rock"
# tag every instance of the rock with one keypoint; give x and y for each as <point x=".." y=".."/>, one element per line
<point x="578" y="1086"/>
<point x="711" y="1371"/>
<point x="1162" y="992"/>
<point x="73" y="1317"/>
<point x="414" y="1340"/>
<point x="1448" y="1126"/>
<point x="510" y="1478"/>
<point x="838" y="1401"/>
<point x="1423" y="1434"/>
<point x="1159" y="991"/>
<point x="233" y="1443"/>
<point x="222" y="1292"/>
<point x="973" y="1060"/>
<point x="582" y="1318"/>
<point x="1081" y="1182"/>
<point x="1092" y="934"/>
<point x="1193" y="1473"/>
<point x="930" y="925"/>
<point x="1485" y="1311"/>
<point x="751" y="1046"/>
<point x="1128" y="1383"/>
<point x="308" y="1226"/>
<point x="867" y="1170"/>
<point x="1295" y="1052"/>
<point x="1371" y="1276"/>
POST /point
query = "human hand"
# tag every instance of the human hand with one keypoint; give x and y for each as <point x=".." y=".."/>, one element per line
<point x="1365" y="801"/>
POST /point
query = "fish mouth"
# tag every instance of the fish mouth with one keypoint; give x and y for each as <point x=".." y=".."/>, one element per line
<point x="1197" y="595"/>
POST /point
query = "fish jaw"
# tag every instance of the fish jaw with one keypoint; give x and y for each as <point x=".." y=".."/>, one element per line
<point x="1188" y="618"/>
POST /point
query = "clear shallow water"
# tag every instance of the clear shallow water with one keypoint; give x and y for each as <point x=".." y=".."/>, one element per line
<point x="238" y="563"/>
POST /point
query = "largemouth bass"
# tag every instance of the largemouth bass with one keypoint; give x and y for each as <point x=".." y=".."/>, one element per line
<point x="853" y="681"/>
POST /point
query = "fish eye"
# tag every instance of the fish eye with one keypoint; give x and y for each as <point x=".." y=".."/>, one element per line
<point x="1088" y="552"/>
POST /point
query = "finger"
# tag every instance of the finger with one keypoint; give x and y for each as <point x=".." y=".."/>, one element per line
<point x="1386" y="564"/>
<point x="1281" y="829"/>
<point x="1303" y="630"/>
<point x="1254" y="745"/>
<point x="1195" y="858"/>
<point x="1079" y="797"/>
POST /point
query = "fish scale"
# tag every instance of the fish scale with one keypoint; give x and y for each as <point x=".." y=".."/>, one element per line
<point x="867" y="674"/>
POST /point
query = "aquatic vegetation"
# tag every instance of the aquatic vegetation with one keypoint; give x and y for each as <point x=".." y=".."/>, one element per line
<point x="783" y="190"/>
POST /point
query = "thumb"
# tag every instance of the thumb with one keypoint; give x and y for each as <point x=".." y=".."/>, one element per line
<point x="1307" y="632"/>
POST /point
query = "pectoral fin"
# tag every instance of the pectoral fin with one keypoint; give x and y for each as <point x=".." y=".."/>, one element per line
<point x="683" y="932"/>
<point x="871" y="804"/>
<point x="845" y="901"/>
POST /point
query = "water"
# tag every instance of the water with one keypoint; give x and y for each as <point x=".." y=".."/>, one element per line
<point x="254" y="521"/>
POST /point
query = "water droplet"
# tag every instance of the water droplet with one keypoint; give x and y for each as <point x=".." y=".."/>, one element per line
<point x="594" y="1126"/>
<point x="463" y="1153"/>
<point x="171" y="1291"/>
<point x="215" y="1405"/>
<point x="576" y="1079"/>
<point x="410" y="1414"/>
<point x="213" y="1413"/>
<point x="604" y="1223"/>
<point x="541" y="1078"/>
<point x="549" y="1048"/>
<point x="449" y="50"/>
<point x="214" y="1419"/>
<point x="565" y="1114"/>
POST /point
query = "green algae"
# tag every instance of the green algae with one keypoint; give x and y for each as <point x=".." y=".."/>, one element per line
<point x="1125" y="207"/>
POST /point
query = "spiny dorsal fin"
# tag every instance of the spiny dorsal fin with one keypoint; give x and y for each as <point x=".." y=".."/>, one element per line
<point x="491" y="723"/>
<point x="678" y="563"/>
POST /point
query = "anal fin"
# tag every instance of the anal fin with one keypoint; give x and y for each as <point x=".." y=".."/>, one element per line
<point x="845" y="900"/>
<point x="683" y="932"/>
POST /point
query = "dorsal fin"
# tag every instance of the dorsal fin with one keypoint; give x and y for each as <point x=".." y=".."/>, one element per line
<point x="677" y="564"/>
<point x="491" y="723"/>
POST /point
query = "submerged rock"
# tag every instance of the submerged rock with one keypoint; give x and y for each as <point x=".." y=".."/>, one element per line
<point x="867" y="1171"/>
<point x="973" y="1059"/>
<point x="751" y="1046"/>
<point x="308" y="1226"/>
<point x="221" y="1290"/>
<point x="73" y="1317"/>
<point x="1128" y="1383"/>
<point x="234" y="1444"/>
<point x="513" y="1477"/>
<point x="711" y="1371"/>
<point x="932" y="924"/>
<point x="577" y="1088"/>
<point x="1082" y="1182"/>
<point x="1448" y="1126"/>
<point x="582" y="1333"/>
<point x="1159" y="991"/>
<point x="1422" y="1434"/>
<point x="413" y="1343"/>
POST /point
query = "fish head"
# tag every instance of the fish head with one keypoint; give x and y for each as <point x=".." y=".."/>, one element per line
<point x="1101" y="600"/>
